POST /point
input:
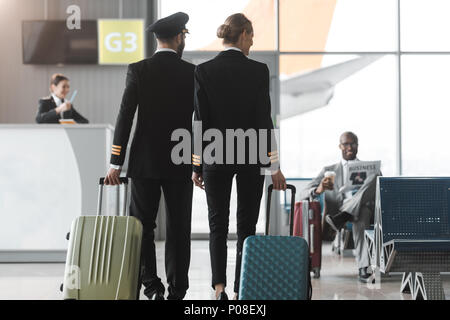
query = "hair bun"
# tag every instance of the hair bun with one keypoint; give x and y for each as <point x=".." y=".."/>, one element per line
<point x="223" y="31"/>
<point x="233" y="27"/>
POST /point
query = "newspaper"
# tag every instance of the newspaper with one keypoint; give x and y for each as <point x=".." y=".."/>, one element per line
<point x="358" y="173"/>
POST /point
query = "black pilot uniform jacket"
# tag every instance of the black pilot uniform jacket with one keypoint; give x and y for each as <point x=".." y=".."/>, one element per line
<point x="232" y="92"/>
<point x="157" y="88"/>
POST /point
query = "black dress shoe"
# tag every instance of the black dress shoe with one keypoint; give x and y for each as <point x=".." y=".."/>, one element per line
<point x="174" y="297"/>
<point x="364" y="276"/>
<point x="222" y="296"/>
<point x="158" y="295"/>
<point x="174" y="294"/>
<point x="338" y="221"/>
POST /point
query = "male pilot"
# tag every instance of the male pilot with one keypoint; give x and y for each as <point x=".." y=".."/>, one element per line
<point x="162" y="88"/>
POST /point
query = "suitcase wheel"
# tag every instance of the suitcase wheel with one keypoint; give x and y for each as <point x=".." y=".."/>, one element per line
<point x="316" y="272"/>
<point x="61" y="288"/>
<point x="68" y="236"/>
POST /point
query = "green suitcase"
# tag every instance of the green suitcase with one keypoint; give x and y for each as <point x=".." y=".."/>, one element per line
<point x="103" y="258"/>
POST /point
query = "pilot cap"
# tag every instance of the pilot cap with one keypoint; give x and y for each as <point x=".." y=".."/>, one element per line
<point x="170" y="26"/>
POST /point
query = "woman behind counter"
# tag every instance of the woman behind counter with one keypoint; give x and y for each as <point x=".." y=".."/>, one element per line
<point x="54" y="107"/>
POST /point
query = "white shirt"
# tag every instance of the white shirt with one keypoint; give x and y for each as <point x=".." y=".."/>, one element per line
<point x="165" y="50"/>
<point x="232" y="48"/>
<point x="348" y="194"/>
<point x="57" y="100"/>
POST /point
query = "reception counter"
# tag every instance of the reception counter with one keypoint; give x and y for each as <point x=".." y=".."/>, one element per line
<point x="48" y="176"/>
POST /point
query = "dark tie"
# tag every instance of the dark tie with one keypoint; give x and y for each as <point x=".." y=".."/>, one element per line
<point x="62" y="113"/>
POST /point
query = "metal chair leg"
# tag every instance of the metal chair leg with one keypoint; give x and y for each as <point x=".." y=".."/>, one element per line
<point x="408" y="282"/>
<point x="428" y="286"/>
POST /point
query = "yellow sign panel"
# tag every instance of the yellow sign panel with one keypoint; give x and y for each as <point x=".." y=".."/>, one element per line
<point x="120" y="41"/>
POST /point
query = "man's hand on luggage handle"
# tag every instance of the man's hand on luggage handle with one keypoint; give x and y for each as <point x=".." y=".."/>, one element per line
<point x="198" y="180"/>
<point x="278" y="180"/>
<point x="112" y="177"/>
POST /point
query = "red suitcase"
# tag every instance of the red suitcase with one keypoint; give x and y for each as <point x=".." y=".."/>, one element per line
<point x="308" y="224"/>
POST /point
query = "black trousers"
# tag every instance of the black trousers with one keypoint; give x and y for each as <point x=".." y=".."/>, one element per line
<point x="218" y="191"/>
<point x="145" y="196"/>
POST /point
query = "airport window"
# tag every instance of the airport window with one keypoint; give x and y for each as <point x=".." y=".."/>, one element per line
<point x="200" y="212"/>
<point x="425" y="25"/>
<point x="425" y="115"/>
<point x="338" y="25"/>
<point x="325" y="95"/>
<point x="203" y="27"/>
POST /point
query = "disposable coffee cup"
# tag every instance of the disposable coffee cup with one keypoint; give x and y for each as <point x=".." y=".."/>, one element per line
<point x="330" y="175"/>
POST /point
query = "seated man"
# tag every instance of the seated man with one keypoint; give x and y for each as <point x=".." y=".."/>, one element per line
<point x="346" y="206"/>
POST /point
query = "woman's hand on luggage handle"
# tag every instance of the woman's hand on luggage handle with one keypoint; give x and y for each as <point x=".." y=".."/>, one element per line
<point x="278" y="180"/>
<point x="112" y="177"/>
<point x="198" y="180"/>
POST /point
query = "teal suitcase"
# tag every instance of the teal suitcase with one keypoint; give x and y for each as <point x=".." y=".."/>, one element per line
<point x="275" y="267"/>
<point x="103" y="258"/>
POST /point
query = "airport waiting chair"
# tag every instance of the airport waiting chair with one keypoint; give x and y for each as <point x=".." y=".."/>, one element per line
<point x="411" y="233"/>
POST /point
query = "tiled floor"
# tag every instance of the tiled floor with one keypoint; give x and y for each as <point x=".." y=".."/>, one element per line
<point x="338" y="278"/>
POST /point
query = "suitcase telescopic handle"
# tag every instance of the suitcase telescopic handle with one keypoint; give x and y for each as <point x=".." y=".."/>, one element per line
<point x="291" y="214"/>
<point x="101" y="184"/>
<point x="121" y="179"/>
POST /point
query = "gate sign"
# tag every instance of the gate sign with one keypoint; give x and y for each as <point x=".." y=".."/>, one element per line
<point x="120" y="41"/>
